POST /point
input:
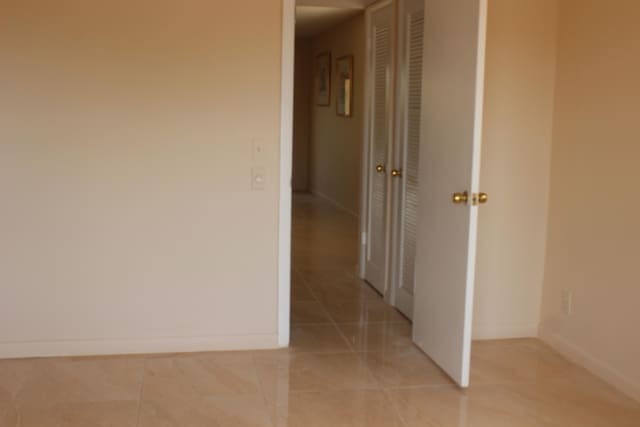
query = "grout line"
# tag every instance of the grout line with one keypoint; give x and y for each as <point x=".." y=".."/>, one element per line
<point x="394" y="407"/>
<point x="451" y="386"/>
<point x="259" y="379"/>
<point x="142" y="381"/>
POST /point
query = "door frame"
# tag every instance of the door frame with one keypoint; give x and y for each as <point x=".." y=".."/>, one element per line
<point x="364" y="177"/>
<point x="286" y="167"/>
<point x="286" y="163"/>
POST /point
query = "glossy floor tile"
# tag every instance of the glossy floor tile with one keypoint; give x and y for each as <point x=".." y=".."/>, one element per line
<point x="309" y="312"/>
<point x="365" y="337"/>
<point x="351" y="363"/>
<point x="363" y="408"/>
<point x="306" y="372"/>
<point x="313" y="337"/>
<point x="545" y="404"/>
<point x="202" y="375"/>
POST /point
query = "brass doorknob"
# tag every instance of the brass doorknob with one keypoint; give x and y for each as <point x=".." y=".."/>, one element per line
<point x="396" y="173"/>
<point x="380" y="169"/>
<point x="479" y="199"/>
<point x="459" y="198"/>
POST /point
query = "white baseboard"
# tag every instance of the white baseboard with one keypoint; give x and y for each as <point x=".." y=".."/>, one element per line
<point x="14" y="350"/>
<point x="497" y="331"/>
<point x="334" y="203"/>
<point x="596" y="366"/>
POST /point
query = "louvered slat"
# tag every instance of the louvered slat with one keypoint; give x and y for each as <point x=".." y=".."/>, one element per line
<point x="415" y="38"/>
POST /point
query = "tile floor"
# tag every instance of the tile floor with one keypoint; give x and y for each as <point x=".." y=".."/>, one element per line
<point x="351" y="364"/>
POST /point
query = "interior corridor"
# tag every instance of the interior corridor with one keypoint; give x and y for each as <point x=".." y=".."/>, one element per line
<point x="351" y="364"/>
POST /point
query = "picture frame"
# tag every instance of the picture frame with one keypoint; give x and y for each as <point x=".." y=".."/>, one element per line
<point x="322" y="79"/>
<point x="344" y="73"/>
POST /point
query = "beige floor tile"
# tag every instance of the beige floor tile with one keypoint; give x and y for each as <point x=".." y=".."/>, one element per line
<point x="282" y="372"/>
<point x="581" y="399"/>
<point x="326" y="273"/>
<point x="451" y="407"/>
<point x="348" y="289"/>
<point x="50" y="381"/>
<point x="308" y="312"/>
<point x="81" y="414"/>
<point x="405" y="367"/>
<point x="377" y="336"/>
<point x="301" y="292"/>
<point x="243" y="411"/>
<point x="317" y="338"/>
<point x="515" y="361"/>
<point x="361" y="408"/>
<point x="543" y="404"/>
<point x="363" y="311"/>
<point x="15" y="374"/>
<point x="8" y="411"/>
<point x="203" y="375"/>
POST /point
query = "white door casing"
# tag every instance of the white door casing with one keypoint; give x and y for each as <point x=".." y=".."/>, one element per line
<point x="451" y="129"/>
<point x="379" y="127"/>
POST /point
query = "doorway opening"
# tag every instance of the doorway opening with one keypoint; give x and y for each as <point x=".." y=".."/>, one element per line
<point x="343" y="110"/>
<point x="389" y="106"/>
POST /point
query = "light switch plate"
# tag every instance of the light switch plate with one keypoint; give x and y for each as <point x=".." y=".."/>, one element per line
<point x="258" y="151"/>
<point x="258" y="178"/>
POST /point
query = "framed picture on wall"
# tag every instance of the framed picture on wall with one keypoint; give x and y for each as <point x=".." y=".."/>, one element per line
<point x="344" y="68"/>
<point x="323" y="79"/>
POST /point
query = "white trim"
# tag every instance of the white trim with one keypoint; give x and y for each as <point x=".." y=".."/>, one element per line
<point x="500" y="331"/>
<point x="63" y="348"/>
<point x="286" y="164"/>
<point x="581" y="357"/>
<point x="364" y="179"/>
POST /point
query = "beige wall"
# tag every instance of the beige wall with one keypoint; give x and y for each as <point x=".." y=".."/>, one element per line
<point x="594" y="232"/>
<point x="519" y="87"/>
<point x="125" y="135"/>
<point x="336" y="142"/>
<point x="302" y="114"/>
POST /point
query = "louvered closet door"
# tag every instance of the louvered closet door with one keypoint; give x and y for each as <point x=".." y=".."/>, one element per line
<point x="409" y="101"/>
<point x="380" y="39"/>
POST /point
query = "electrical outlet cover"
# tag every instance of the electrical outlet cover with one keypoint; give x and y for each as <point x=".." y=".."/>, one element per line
<point x="567" y="302"/>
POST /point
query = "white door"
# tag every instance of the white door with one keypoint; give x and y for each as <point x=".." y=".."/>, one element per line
<point x="452" y="97"/>
<point x="379" y="128"/>
<point x="411" y="36"/>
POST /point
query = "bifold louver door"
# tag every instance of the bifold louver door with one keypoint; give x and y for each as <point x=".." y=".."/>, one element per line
<point x="411" y="24"/>
<point x="379" y="128"/>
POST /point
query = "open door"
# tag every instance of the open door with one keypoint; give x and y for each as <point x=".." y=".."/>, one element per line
<point x="378" y="131"/>
<point x="451" y="129"/>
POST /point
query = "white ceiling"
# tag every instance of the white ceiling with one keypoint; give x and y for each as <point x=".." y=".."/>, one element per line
<point x="313" y="20"/>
